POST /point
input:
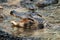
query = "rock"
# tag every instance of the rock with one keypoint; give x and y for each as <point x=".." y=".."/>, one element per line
<point x="3" y="1"/>
<point x="28" y="4"/>
<point x="7" y="36"/>
<point x="31" y="4"/>
<point x="45" y="3"/>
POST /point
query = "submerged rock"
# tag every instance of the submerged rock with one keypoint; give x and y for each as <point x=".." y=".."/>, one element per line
<point x="7" y="36"/>
<point x="31" y="4"/>
<point x="28" y="4"/>
<point x="3" y="1"/>
<point x="45" y="3"/>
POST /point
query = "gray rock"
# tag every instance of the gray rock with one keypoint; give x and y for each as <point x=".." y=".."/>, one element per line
<point x="39" y="3"/>
<point x="3" y="1"/>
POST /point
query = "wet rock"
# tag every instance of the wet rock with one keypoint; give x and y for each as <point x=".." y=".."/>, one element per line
<point x="28" y="4"/>
<point x="45" y="3"/>
<point x="3" y="1"/>
<point x="7" y="36"/>
<point x="39" y="3"/>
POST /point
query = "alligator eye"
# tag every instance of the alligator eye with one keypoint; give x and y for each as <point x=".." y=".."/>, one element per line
<point x="11" y="12"/>
<point x="41" y="26"/>
<point x="31" y="0"/>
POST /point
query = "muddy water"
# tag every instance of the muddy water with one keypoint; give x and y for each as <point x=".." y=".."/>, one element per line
<point x="50" y="13"/>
